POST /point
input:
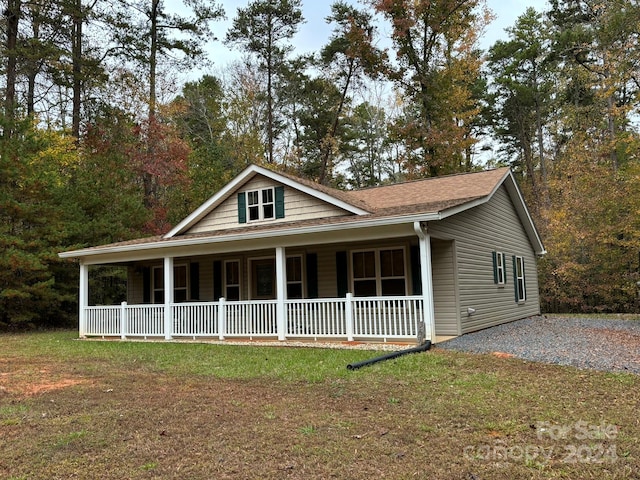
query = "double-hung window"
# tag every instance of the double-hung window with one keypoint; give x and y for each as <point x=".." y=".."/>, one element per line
<point x="519" y="279"/>
<point x="232" y="280"/>
<point x="379" y="272"/>
<point x="294" y="277"/>
<point x="260" y="204"/>
<point x="499" y="268"/>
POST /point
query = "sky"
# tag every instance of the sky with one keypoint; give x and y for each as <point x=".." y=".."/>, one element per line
<point x="315" y="32"/>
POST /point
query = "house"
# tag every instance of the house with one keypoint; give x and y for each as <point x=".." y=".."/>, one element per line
<point x="276" y="256"/>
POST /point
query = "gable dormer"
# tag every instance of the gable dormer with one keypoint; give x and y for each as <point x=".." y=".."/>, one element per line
<point x="259" y="196"/>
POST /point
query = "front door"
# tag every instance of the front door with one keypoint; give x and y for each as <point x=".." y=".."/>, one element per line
<point x="263" y="279"/>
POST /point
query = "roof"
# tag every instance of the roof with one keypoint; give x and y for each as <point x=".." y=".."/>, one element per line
<point x="419" y="200"/>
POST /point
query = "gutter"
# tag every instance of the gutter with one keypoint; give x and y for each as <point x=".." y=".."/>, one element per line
<point x="173" y="242"/>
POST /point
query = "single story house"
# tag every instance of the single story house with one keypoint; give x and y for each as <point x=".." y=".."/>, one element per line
<point x="276" y="256"/>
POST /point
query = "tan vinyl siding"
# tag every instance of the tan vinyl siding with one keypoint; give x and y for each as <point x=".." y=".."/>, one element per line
<point x="298" y="206"/>
<point x="445" y="294"/>
<point x="493" y="226"/>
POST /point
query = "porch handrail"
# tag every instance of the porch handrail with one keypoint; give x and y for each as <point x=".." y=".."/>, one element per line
<point x="349" y="318"/>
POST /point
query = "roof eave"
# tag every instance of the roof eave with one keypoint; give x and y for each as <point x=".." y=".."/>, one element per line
<point x="358" y="223"/>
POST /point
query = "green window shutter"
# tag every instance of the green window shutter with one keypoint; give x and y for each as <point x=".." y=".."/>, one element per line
<point x="416" y="274"/>
<point x="242" y="207"/>
<point x="194" y="281"/>
<point x="146" y="285"/>
<point x="217" y="280"/>
<point x="342" y="279"/>
<point x="515" y="277"/>
<point x="312" y="275"/>
<point x="279" y="202"/>
<point x="495" y="266"/>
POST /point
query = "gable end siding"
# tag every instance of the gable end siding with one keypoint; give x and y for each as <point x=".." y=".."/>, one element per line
<point x="493" y="226"/>
<point x="296" y="206"/>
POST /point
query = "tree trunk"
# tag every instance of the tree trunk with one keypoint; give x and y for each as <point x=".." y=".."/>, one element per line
<point x="77" y="68"/>
<point x="12" y="18"/>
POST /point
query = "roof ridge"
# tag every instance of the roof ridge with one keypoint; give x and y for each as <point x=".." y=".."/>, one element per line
<point x="425" y="179"/>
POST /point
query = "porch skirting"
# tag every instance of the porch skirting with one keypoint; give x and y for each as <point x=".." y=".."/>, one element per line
<point x="350" y="318"/>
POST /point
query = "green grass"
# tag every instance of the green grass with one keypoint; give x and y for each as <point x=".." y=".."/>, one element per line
<point x="183" y="410"/>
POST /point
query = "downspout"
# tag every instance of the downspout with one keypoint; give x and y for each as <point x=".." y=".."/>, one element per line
<point x="420" y="348"/>
<point x="426" y="279"/>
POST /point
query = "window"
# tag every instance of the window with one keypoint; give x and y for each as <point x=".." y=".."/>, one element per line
<point x="232" y="280"/>
<point x="179" y="284"/>
<point x="499" y="271"/>
<point x="294" y="277"/>
<point x="260" y="204"/>
<point x="379" y="272"/>
<point x="519" y="280"/>
<point x="157" y="288"/>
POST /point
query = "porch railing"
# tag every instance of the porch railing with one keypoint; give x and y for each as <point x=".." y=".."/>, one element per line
<point x="349" y="318"/>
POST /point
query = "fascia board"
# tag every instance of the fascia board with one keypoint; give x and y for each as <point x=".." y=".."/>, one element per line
<point x="205" y="208"/>
<point x="518" y="201"/>
<point x="313" y="229"/>
<point x="245" y="176"/>
<point x="311" y="191"/>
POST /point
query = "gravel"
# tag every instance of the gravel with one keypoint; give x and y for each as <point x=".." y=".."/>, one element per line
<point x="598" y="344"/>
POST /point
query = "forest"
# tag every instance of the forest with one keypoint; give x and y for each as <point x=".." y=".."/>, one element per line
<point x="101" y="141"/>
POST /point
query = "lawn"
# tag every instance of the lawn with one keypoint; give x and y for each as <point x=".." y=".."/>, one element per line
<point x="111" y="410"/>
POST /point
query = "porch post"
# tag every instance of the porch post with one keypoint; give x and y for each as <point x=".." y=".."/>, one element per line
<point x="427" y="281"/>
<point x="281" y="292"/>
<point x="168" y="297"/>
<point x="83" y="301"/>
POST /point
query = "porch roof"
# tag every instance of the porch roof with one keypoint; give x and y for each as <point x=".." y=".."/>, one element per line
<point x="377" y="207"/>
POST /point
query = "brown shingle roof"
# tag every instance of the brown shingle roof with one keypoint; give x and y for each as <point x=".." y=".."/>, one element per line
<point x="431" y="194"/>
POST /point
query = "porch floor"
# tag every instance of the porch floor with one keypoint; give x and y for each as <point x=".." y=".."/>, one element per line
<point x="306" y="343"/>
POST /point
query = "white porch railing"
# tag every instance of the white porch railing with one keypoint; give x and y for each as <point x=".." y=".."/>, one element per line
<point x="372" y="318"/>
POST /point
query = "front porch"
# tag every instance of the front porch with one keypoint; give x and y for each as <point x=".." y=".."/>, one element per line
<point x="399" y="319"/>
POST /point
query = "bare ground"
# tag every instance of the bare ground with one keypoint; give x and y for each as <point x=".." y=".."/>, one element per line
<point x="468" y="417"/>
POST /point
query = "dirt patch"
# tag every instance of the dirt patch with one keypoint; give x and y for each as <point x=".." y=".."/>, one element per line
<point x="28" y="380"/>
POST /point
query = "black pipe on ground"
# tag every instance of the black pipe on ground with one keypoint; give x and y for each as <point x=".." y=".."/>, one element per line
<point x="420" y="348"/>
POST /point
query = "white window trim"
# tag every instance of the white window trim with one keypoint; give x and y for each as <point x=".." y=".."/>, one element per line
<point x="224" y="279"/>
<point x="297" y="282"/>
<point x="261" y="204"/>
<point x="500" y="268"/>
<point x="378" y="269"/>
<point x="520" y="280"/>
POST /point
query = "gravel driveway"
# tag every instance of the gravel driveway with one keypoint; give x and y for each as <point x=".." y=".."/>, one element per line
<point x="609" y="345"/>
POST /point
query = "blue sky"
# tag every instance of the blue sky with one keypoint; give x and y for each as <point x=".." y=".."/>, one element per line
<point x="315" y="32"/>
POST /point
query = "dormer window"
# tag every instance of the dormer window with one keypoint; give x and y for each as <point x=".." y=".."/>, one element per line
<point x="260" y="204"/>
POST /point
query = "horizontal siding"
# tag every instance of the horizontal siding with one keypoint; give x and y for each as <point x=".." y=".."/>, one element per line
<point x="298" y="206"/>
<point x="445" y="297"/>
<point x="493" y="226"/>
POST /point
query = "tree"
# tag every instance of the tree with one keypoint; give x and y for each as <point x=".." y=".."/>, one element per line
<point x="261" y="29"/>
<point x="351" y="54"/>
<point x="598" y="45"/>
<point x="12" y="20"/>
<point x="522" y="82"/>
<point x="437" y="63"/>
<point x="32" y="225"/>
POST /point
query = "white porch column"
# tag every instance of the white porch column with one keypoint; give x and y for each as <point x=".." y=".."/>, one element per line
<point x="168" y="297"/>
<point x="83" y="301"/>
<point x="281" y="291"/>
<point x="427" y="281"/>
